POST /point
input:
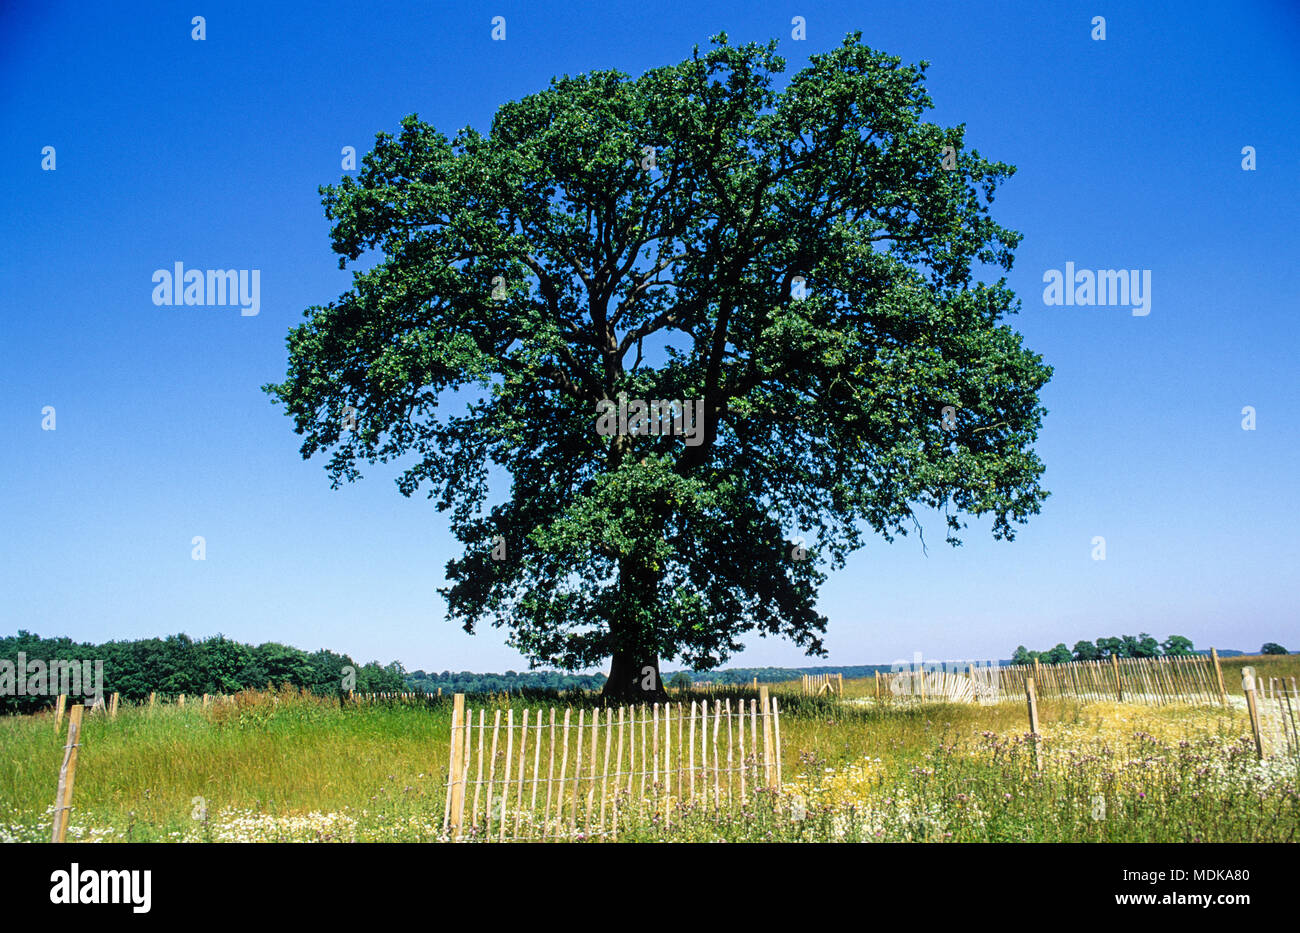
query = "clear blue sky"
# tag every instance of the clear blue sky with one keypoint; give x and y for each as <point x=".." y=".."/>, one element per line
<point x="210" y="153"/>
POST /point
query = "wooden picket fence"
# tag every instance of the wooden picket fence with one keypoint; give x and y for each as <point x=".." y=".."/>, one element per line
<point x="539" y="777"/>
<point x="1148" y="681"/>
<point x="817" y="684"/>
<point x="419" y="698"/>
<point x="972" y="686"/>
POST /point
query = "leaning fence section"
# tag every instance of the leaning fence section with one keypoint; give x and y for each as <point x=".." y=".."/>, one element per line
<point x="974" y="685"/>
<point x="1145" y="681"/>
<point x="546" y="774"/>
<point x="1148" y="681"/>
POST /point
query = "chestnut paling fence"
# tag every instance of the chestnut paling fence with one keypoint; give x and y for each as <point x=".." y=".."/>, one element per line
<point x="1148" y="681"/>
<point x="817" y="684"/>
<point x="976" y="684"/>
<point x="542" y="774"/>
<point x="1279" y="715"/>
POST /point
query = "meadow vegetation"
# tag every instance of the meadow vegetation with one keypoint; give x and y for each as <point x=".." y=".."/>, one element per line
<point x="293" y="766"/>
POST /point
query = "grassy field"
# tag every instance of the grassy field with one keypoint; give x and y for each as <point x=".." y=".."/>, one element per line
<point x="298" y="768"/>
<point x="1274" y="665"/>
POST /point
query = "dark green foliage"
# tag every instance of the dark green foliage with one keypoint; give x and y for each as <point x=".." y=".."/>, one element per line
<point x="178" y="664"/>
<point x="1123" y="646"/>
<point x="1111" y="647"/>
<point x="823" y="412"/>
<point x="1272" y="647"/>
<point x="1141" y="646"/>
<point x="511" y="682"/>
<point x="1086" y="651"/>
<point x="1058" y="655"/>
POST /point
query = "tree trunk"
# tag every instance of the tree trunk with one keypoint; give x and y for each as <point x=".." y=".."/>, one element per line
<point x="634" y="647"/>
<point x="634" y="678"/>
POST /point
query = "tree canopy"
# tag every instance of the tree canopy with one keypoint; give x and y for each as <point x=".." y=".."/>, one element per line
<point x="799" y="262"/>
<point x="1141" y="645"/>
<point x="179" y="664"/>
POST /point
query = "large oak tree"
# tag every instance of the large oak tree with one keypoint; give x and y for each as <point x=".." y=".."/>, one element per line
<point x="804" y="260"/>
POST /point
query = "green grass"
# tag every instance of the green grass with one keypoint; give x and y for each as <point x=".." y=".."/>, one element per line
<point x="301" y="768"/>
<point x="1266" y="666"/>
<point x="140" y="773"/>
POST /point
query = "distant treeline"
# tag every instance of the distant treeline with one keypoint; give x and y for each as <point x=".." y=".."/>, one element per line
<point x="509" y="682"/>
<point x="772" y="675"/>
<point x="178" y="664"/>
<point x="515" y="681"/>
<point x="1141" y="645"/>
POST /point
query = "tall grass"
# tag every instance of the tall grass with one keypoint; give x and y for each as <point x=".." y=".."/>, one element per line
<point x="275" y="754"/>
<point x="297" y="767"/>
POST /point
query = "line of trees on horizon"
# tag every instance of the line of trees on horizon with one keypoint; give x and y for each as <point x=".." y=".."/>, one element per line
<point x="179" y="664"/>
<point x="1141" y="645"/>
<point x="516" y="681"/>
<point x="509" y="682"/>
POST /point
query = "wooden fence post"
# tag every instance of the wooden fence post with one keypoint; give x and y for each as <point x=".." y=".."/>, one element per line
<point x="456" y="776"/>
<point x="59" y="706"/>
<point x="577" y="767"/>
<point x="492" y="775"/>
<point x="505" y="781"/>
<point x="591" y="778"/>
<point x="112" y="705"/>
<point x="776" y="740"/>
<point x="1248" y="687"/>
<point x="766" y="705"/>
<point x="67" y="774"/>
<point x="1119" y="690"/>
<point x="1218" y="672"/>
<point x="1032" y="698"/>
